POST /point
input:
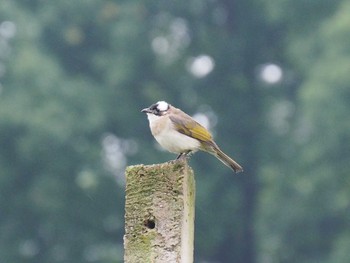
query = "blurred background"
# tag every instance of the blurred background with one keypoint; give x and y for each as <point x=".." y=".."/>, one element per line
<point x="269" y="78"/>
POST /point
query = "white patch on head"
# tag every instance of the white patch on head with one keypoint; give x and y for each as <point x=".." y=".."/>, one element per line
<point x="162" y="105"/>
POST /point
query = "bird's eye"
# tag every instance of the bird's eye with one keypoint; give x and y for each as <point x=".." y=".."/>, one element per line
<point x="154" y="108"/>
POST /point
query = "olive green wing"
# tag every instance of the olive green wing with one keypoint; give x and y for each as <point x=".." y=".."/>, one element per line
<point x="186" y="125"/>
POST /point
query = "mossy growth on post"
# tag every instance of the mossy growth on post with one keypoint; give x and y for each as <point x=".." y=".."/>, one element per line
<point x="159" y="213"/>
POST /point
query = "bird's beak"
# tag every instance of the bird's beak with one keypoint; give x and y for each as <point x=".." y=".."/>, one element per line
<point x="146" y="110"/>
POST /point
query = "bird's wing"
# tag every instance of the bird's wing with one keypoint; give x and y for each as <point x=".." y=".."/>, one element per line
<point x="186" y="125"/>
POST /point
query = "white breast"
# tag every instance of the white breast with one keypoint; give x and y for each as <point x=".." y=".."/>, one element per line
<point x="170" y="139"/>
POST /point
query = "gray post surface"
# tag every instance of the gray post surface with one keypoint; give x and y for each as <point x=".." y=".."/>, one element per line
<point x="159" y="213"/>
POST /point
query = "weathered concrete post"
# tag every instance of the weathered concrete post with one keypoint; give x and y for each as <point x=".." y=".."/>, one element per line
<point x="159" y="213"/>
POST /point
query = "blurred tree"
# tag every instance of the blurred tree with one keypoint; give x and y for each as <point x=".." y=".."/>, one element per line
<point x="57" y="201"/>
<point x="309" y="220"/>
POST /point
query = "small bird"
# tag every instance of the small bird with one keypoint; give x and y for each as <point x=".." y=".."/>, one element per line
<point x="179" y="133"/>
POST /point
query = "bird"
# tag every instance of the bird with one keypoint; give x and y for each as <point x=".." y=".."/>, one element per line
<point x="179" y="133"/>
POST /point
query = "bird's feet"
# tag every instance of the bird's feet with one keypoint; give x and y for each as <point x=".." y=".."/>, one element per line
<point x="183" y="155"/>
<point x="180" y="156"/>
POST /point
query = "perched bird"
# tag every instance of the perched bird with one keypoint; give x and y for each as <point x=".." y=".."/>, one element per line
<point x="179" y="133"/>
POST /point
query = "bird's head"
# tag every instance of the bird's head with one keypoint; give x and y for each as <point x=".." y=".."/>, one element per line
<point x="159" y="109"/>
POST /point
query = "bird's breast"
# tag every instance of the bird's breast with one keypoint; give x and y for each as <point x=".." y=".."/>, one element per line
<point x="169" y="138"/>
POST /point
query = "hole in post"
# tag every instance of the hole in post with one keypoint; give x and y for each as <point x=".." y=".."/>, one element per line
<point x="150" y="223"/>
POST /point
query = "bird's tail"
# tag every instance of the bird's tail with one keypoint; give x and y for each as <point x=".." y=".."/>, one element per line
<point x="226" y="159"/>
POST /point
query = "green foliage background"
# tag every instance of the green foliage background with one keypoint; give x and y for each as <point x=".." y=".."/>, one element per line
<point x="75" y="74"/>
